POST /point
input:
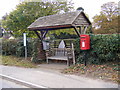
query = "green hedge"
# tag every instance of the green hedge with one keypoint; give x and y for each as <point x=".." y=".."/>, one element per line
<point x="8" y="47"/>
<point x="15" y="47"/>
<point x="104" y="48"/>
<point x="35" y="51"/>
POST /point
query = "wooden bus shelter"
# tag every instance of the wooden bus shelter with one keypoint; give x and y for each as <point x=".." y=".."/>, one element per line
<point x="77" y="20"/>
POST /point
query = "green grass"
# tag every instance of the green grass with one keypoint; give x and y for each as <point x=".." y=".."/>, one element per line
<point x="15" y="61"/>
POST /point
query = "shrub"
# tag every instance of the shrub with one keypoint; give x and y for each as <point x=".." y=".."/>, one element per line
<point x="15" y="47"/>
<point x="8" y="47"/>
<point x="35" y="52"/>
<point x="20" y="49"/>
<point x="104" y="48"/>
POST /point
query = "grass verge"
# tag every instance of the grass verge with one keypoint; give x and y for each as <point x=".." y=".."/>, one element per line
<point x="106" y="72"/>
<point x="15" y="61"/>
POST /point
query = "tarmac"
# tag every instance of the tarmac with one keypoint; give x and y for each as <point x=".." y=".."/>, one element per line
<point x="49" y="76"/>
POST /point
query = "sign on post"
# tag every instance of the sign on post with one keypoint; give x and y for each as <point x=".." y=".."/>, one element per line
<point x="24" y="41"/>
<point x="24" y="38"/>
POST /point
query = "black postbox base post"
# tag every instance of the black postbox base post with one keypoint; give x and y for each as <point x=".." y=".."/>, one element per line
<point x="85" y="57"/>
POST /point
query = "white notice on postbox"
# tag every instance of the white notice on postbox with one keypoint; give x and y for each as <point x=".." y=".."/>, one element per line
<point x="83" y="44"/>
<point x="24" y="36"/>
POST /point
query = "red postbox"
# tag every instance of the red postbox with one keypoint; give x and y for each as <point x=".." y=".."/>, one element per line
<point x="84" y="42"/>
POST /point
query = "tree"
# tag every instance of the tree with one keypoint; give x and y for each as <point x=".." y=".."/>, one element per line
<point x="109" y="9"/>
<point x="107" y="21"/>
<point x="80" y="8"/>
<point x="27" y="12"/>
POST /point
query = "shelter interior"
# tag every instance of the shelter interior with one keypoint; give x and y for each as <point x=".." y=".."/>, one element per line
<point x="77" y="20"/>
<point x="61" y="50"/>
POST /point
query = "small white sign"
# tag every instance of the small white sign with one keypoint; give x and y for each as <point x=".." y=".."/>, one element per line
<point x="62" y="44"/>
<point x="83" y="44"/>
<point x="24" y="38"/>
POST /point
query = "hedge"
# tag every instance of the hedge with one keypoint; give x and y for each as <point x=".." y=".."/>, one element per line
<point x="15" y="47"/>
<point x="35" y="51"/>
<point x="104" y="48"/>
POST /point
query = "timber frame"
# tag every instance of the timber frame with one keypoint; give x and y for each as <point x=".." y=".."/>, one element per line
<point x="79" y="30"/>
<point x="77" y="20"/>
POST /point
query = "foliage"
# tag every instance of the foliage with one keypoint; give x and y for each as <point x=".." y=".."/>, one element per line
<point x="15" y="61"/>
<point x="8" y="47"/>
<point x="27" y="12"/>
<point x="110" y="9"/>
<point x="59" y="32"/>
<point x="80" y="9"/>
<point x="107" y="21"/>
<point x="104" y="48"/>
<point x="65" y="35"/>
<point x="35" y="51"/>
<point x="16" y="48"/>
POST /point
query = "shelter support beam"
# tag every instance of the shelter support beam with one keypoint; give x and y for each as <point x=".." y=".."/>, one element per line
<point x="41" y="35"/>
<point x="83" y="29"/>
<point x="38" y="35"/>
<point x="77" y="31"/>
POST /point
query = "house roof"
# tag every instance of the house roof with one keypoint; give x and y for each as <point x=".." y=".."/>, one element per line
<point x="59" y="21"/>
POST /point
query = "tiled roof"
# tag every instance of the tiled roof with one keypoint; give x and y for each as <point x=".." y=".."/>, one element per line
<point x="57" y="20"/>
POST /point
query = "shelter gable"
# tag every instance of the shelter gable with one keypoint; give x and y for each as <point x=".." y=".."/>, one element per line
<point x="81" y="20"/>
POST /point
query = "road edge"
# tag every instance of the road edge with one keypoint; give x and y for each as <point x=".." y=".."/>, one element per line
<point x="18" y="81"/>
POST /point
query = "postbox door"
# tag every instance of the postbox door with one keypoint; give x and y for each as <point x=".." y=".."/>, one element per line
<point x="84" y="42"/>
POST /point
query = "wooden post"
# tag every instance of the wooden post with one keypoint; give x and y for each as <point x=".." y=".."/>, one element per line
<point x="38" y="35"/>
<point x="73" y="54"/>
<point x="85" y="30"/>
<point x="41" y="53"/>
<point x="81" y="30"/>
<point x="78" y="33"/>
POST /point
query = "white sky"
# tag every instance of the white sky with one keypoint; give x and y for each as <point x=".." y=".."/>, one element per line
<point x="91" y="7"/>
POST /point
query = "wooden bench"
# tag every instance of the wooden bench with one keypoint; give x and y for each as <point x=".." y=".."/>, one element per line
<point x="65" y="54"/>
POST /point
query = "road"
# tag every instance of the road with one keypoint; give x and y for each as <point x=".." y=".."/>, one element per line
<point x="44" y="78"/>
<point x="9" y="84"/>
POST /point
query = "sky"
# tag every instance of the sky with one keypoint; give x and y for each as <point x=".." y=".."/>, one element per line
<point x="91" y="7"/>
